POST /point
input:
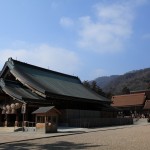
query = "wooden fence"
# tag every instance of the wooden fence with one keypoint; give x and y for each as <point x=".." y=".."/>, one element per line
<point x="99" y="122"/>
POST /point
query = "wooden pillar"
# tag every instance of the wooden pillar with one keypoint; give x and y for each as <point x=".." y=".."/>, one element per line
<point x="25" y="120"/>
<point x="25" y="117"/>
<point x="36" y="119"/>
<point x="45" y="119"/>
<point x="6" y="120"/>
<point x="0" y="118"/>
<point x="17" y="120"/>
<point x="26" y="113"/>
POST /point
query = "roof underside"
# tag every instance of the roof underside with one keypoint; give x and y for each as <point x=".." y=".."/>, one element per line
<point x="47" y="81"/>
<point x="18" y="91"/>
<point x="128" y="100"/>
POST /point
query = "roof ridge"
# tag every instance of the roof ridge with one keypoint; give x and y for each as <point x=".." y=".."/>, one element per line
<point x="140" y="91"/>
<point x="42" y="68"/>
<point x="129" y="94"/>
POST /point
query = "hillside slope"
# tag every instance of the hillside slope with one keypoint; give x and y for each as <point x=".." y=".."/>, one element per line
<point x="134" y="80"/>
<point x="105" y="80"/>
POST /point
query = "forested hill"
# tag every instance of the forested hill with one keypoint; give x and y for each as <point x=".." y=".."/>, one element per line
<point x="134" y="80"/>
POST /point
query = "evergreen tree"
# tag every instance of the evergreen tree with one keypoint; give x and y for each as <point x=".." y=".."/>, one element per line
<point x="86" y="84"/>
<point x="93" y="86"/>
<point x="125" y="90"/>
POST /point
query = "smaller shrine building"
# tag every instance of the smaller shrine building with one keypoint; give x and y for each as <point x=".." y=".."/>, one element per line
<point x="137" y="103"/>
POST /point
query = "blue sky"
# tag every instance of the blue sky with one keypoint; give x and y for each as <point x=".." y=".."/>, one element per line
<point x="85" y="38"/>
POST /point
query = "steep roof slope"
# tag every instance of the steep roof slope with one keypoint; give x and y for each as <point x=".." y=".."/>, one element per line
<point x="45" y="81"/>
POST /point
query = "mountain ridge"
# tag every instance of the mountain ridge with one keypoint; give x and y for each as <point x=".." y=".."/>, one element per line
<point x="134" y="80"/>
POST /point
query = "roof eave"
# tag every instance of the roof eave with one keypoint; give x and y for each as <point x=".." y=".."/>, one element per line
<point x="64" y="97"/>
<point x="122" y="106"/>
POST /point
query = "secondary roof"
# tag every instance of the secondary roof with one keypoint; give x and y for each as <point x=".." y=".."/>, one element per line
<point x="128" y="100"/>
<point x="43" y="110"/>
<point x="17" y="91"/>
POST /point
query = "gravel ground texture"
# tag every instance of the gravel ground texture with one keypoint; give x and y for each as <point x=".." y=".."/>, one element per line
<point x="134" y="137"/>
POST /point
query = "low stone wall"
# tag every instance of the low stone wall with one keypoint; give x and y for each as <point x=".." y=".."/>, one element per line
<point x="99" y="122"/>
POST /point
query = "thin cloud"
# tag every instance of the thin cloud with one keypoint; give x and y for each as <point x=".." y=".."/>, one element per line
<point x="111" y="28"/>
<point x="66" y="22"/>
<point x="146" y="36"/>
<point x="97" y="73"/>
<point x="53" y="58"/>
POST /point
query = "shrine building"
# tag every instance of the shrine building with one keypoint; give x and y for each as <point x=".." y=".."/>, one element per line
<point x="24" y="88"/>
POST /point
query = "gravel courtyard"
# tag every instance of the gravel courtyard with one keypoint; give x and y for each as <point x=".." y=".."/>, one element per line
<point x="134" y="137"/>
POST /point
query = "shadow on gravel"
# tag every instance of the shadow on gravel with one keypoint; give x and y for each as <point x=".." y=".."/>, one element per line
<point x="71" y="134"/>
<point x="61" y="145"/>
<point x="58" y="145"/>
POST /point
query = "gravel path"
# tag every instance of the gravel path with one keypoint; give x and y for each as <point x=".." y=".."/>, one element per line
<point x="127" y="138"/>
